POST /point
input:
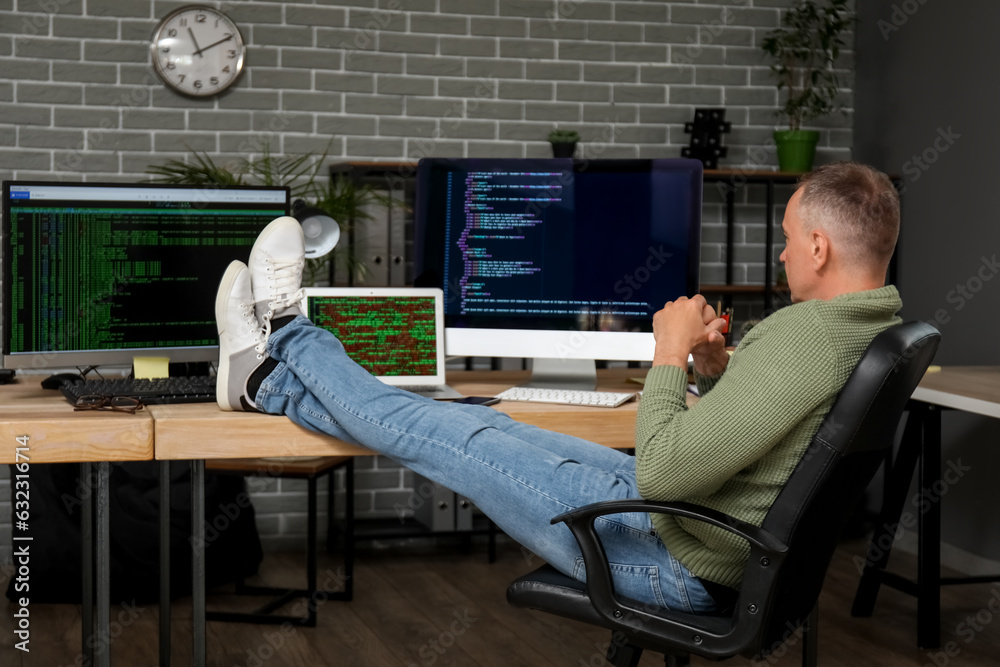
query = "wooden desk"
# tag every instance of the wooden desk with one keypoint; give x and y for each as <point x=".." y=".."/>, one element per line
<point x="58" y="434"/>
<point x="972" y="389"/>
<point x="202" y="431"/>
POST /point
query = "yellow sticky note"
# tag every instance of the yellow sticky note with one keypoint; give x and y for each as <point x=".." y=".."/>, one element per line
<point x="148" y="368"/>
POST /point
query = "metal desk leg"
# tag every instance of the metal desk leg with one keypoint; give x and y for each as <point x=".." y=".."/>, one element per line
<point x="311" y="556"/>
<point x="164" y="563"/>
<point x="87" y="565"/>
<point x="198" y="563"/>
<point x="349" y="538"/>
<point x="103" y="565"/>
<point x="929" y="539"/>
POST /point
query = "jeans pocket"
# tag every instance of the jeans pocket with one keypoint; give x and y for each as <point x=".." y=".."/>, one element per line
<point x="637" y="582"/>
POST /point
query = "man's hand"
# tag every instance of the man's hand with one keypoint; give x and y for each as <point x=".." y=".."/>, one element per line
<point x="690" y="326"/>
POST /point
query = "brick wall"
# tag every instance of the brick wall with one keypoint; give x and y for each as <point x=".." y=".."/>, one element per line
<point x="391" y="79"/>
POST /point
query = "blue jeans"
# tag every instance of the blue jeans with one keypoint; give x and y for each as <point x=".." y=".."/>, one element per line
<point x="518" y="475"/>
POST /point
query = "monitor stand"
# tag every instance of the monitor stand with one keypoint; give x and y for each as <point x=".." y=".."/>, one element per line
<point x="573" y="374"/>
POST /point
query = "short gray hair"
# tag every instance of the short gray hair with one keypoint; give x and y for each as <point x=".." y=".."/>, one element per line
<point x="858" y="205"/>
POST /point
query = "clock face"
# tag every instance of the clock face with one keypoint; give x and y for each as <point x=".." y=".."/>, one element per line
<point x="198" y="51"/>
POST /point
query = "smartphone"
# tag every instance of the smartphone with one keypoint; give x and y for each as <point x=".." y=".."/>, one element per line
<point x="478" y="400"/>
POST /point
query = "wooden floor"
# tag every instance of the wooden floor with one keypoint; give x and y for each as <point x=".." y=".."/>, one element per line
<point x="415" y="606"/>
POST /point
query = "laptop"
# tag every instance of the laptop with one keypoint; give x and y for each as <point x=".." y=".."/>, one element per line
<point x="395" y="333"/>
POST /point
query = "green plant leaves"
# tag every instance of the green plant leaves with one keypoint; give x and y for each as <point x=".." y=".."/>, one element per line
<point x="805" y="51"/>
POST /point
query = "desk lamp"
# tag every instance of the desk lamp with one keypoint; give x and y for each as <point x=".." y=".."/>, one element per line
<point x="321" y="231"/>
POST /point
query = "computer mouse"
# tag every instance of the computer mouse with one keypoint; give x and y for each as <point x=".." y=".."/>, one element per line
<point x="57" y="380"/>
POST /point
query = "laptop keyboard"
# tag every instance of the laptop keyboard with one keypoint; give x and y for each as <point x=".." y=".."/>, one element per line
<point x="422" y="388"/>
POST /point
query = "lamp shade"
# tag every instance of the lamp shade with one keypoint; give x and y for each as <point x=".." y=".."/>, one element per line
<point x="320" y="230"/>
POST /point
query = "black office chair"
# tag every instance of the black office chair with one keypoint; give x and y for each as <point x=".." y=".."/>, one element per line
<point x="789" y="553"/>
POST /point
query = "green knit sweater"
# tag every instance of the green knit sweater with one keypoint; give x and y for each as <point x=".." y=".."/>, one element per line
<point x="735" y="448"/>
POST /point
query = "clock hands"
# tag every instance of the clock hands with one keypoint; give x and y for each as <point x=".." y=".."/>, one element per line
<point x="195" y="40"/>
<point x="200" y="51"/>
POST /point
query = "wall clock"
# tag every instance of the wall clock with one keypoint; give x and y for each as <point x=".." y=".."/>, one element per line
<point x="198" y="51"/>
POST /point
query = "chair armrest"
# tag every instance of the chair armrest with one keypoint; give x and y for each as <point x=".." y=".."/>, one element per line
<point x="755" y="535"/>
<point x="599" y="585"/>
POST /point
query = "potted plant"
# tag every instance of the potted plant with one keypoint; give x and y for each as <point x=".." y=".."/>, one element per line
<point x="563" y="142"/>
<point x="337" y="197"/>
<point x="805" y="51"/>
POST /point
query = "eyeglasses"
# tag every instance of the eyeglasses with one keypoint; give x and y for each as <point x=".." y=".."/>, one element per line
<point x="129" y="404"/>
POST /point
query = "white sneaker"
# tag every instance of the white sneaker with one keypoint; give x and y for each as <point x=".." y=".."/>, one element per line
<point x="276" y="262"/>
<point x="241" y="339"/>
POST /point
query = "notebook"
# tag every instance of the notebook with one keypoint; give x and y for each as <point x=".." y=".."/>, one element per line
<point x="395" y="333"/>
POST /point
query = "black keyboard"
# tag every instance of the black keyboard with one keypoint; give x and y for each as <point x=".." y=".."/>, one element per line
<point x="193" y="389"/>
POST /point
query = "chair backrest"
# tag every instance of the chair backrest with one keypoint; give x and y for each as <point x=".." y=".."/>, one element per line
<point x="825" y="487"/>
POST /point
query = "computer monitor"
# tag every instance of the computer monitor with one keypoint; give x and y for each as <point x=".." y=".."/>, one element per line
<point x="98" y="273"/>
<point x="557" y="259"/>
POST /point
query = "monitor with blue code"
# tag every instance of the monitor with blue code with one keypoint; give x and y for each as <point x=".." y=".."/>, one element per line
<point x="557" y="258"/>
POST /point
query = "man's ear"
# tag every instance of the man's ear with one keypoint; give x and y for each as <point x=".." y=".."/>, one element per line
<point x="819" y="248"/>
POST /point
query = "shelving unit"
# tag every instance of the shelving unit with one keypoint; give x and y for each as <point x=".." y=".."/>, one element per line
<point x="732" y="180"/>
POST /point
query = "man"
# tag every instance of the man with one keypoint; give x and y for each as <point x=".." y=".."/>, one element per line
<point x="732" y="451"/>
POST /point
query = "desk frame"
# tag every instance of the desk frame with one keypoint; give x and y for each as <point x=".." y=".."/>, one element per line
<point x="920" y="452"/>
<point x="251" y="435"/>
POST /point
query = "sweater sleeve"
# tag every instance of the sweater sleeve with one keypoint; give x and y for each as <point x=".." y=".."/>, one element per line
<point x="705" y="383"/>
<point x="782" y="373"/>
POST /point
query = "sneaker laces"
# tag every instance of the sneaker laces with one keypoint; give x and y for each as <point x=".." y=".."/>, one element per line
<point x="250" y="319"/>
<point x="284" y="288"/>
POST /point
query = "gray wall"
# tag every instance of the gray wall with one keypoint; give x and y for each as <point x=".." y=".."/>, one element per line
<point x="411" y="78"/>
<point x="925" y="111"/>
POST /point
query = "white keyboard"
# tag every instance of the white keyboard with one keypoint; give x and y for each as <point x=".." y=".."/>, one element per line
<point x="600" y="399"/>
